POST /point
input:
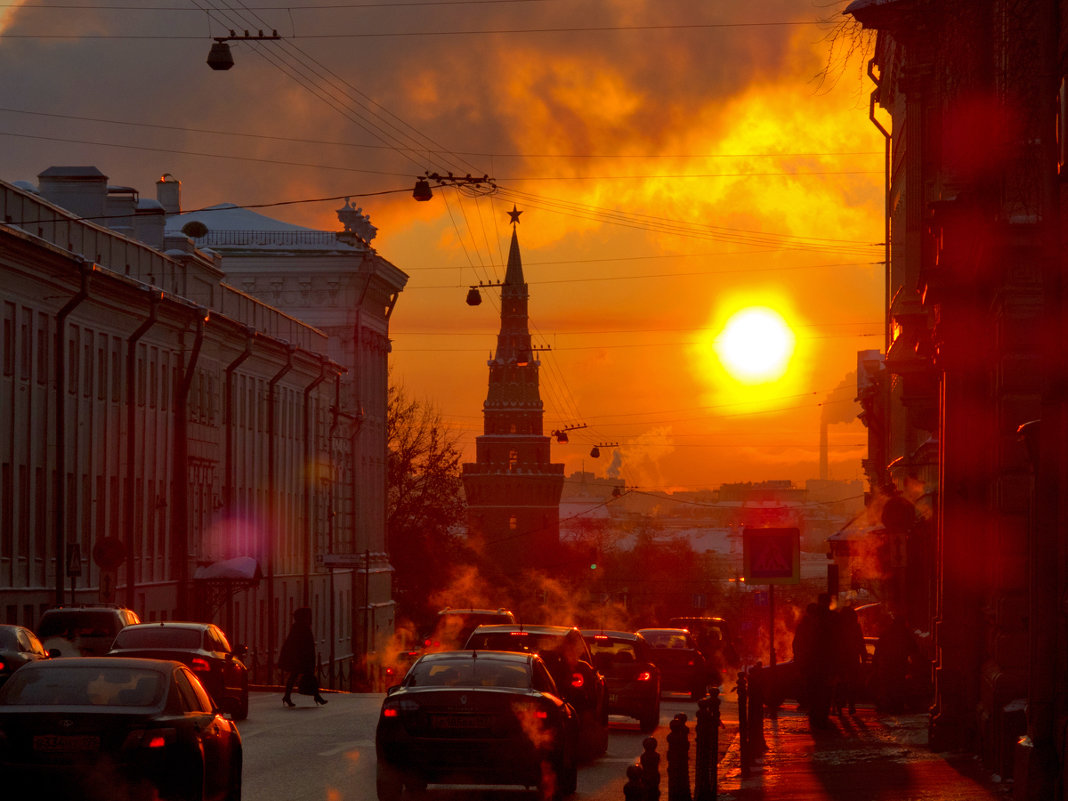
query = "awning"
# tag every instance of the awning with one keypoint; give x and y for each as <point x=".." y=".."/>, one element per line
<point x="244" y="568"/>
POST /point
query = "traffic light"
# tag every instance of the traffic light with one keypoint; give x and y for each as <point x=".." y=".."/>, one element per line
<point x="593" y="558"/>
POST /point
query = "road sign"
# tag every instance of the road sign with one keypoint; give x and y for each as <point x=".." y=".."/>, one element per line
<point x="109" y="553"/>
<point x="74" y="559"/>
<point x="771" y="555"/>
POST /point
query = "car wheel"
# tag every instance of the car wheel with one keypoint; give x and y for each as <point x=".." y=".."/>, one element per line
<point x="650" y="719"/>
<point x="389" y="782"/>
<point x="241" y="707"/>
<point x="233" y="792"/>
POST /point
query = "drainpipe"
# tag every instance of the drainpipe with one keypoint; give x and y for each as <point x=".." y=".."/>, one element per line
<point x="272" y="491"/>
<point x="228" y="418"/>
<point x="886" y="202"/>
<point x="332" y="515"/>
<point x="60" y="507"/>
<point x="131" y="419"/>
<point x="309" y="477"/>
<point x="180" y="469"/>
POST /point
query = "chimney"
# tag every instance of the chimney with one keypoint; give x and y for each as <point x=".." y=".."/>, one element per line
<point x="119" y="209"/>
<point x="169" y="194"/>
<point x="150" y="223"/>
<point x="80" y="190"/>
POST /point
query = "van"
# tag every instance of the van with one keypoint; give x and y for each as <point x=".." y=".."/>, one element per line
<point x="83" y="630"/>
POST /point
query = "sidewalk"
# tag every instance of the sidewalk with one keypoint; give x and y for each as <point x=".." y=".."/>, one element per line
<point x="863" y="757"/>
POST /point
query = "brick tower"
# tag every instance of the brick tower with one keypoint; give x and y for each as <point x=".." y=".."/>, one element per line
<point x="513" y="490"/>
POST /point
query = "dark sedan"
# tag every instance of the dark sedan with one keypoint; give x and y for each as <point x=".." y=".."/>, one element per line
<point x="202" y="647"/>
<point x="568" y="658"/>
<point x="18" y="646"/>
<point x="109" y="729"/>
<point x="631" y="678"/>
<point x="476" y="717"/>
<point x="682" y="666"/>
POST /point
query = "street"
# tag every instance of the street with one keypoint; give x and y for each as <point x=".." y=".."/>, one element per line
<point x="327" y="753"/>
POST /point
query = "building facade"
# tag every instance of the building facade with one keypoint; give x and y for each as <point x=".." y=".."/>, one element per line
<point x="513" y="488"/>
<point x="171" y="443"/>
<point x="975" y="364"/>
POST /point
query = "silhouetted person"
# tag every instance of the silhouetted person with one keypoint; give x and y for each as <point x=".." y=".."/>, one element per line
<point x="297" y="658"/>
<point x="849" y="654"/>
<point x="893" y="656"/>
<point x="816" y="665"/>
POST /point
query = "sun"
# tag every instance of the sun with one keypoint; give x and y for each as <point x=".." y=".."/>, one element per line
<point x="755" y="346"/>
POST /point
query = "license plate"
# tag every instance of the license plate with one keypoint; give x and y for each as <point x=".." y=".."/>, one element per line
<point x="56" y="743"/>
<point x="459" y="721"/>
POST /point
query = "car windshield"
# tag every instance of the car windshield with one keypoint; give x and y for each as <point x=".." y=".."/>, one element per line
<point x="666" y="639"/>
<point x="8" y="641"/>
<point x="525" y="641"/>
<point x="77" y="624"/>
<point x="613" y="650"/>
<point x="158" y="637"/>
<point x="468" y="673"/>
<point x="62" y="685"/>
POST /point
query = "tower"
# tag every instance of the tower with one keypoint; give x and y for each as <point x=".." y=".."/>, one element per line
<point x="512" y="488"/>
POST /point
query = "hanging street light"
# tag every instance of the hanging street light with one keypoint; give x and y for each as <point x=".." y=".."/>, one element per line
<point x="473" y="184"/>
<point x="561" y="433"/>
<point x="595" y="451"/>
<point x="220" y="57"/>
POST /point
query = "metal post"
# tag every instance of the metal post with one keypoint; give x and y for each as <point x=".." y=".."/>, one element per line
<point x="771" y="624"/>
<point x="650" y="763"/>
<point x="743" y="723"/>
<point x="706" y="758"/>
<point x="678" y="758"/>
<point x="757" y="744"/>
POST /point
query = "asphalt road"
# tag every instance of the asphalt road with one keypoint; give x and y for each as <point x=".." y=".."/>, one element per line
<point x="327" y="753"/>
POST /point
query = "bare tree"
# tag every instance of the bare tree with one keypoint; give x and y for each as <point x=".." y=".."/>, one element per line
<point x="425" y="504"/>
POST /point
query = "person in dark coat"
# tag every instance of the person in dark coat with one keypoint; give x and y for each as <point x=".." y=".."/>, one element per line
<point x="894" y="655"/>
<point x="849" y="656"/>
<point x="297" y="656"/>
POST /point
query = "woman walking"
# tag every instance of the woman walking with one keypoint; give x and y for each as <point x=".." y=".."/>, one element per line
<point x="297" y="658"/>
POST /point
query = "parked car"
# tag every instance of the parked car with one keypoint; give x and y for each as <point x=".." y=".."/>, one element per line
<point x="570" y="662"/>
<point x="630" y="676"/>
<point x="476" y="717"/>
<point x="18" y="646"/>
<point x="203" y="648"/>
<point x="83" y="630"/>
<point x="682" y="667"/>
<point x="110" y="729"/>
<point x="454" y="626"/>
<point x="716" y="641"/>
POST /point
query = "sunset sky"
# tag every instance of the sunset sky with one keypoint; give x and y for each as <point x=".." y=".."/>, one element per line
<point x="676" y="162"/>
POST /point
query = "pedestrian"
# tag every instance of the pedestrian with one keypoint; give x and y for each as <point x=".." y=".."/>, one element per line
<point x="849" y="656"/>
<point x="297" y="658"/>
<point x="814" y="655"/>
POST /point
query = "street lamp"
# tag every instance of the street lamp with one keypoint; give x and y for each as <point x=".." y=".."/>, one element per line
<point x="477" y="186"/>
<point x="561" y="433"/>
<point x="595" y="451"/>
<point x="220" y="57"/>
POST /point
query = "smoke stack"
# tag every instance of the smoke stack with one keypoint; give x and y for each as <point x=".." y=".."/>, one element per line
<point x="169" y="194"/>
<point x="824" y="469"/>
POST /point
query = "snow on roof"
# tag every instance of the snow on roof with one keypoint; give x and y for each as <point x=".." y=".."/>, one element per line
<point x="230" y="217"/>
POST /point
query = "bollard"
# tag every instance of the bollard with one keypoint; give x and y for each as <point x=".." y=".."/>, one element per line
<point x="758" y="746"/>
<point x="650" y="764"/>
<point x="743" y="723"/>
<point x="678" y="760"/>
<point x="706" y="758"/>
<point x="634" y="789"/>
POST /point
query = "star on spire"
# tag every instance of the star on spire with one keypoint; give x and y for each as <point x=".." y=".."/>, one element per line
<point x="514" y="214"/>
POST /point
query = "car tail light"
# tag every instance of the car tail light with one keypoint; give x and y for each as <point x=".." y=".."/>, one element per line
<point x="645" y="675"/>
<point x="200" y="665"/>
<point x="150" y="738"/>
<point x="392" y="709"/>
<point x="577" y="680"/>
<point x="690" y="663"/>
<point x="391" y="712"/>
<point x="2" y="666"/>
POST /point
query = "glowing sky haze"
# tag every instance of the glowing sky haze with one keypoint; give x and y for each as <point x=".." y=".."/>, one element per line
<point x="676" y="162"/>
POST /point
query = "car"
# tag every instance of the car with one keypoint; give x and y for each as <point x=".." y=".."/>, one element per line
<point x="714" y="638"/>
<point x="631" y="678"/>
<point x="570" y="662"/>
<point x="476" y="717"/>
<point x="203" y="648"/>
<point x="113" y="729"/>
<point x="454" y="626"/>
<point x="83" y="630"/>
<point x="18" y="646"/>
<point x="682" y="666"/>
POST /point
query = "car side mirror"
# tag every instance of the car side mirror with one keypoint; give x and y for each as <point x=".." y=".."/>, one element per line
<point x="54" y="652"/>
